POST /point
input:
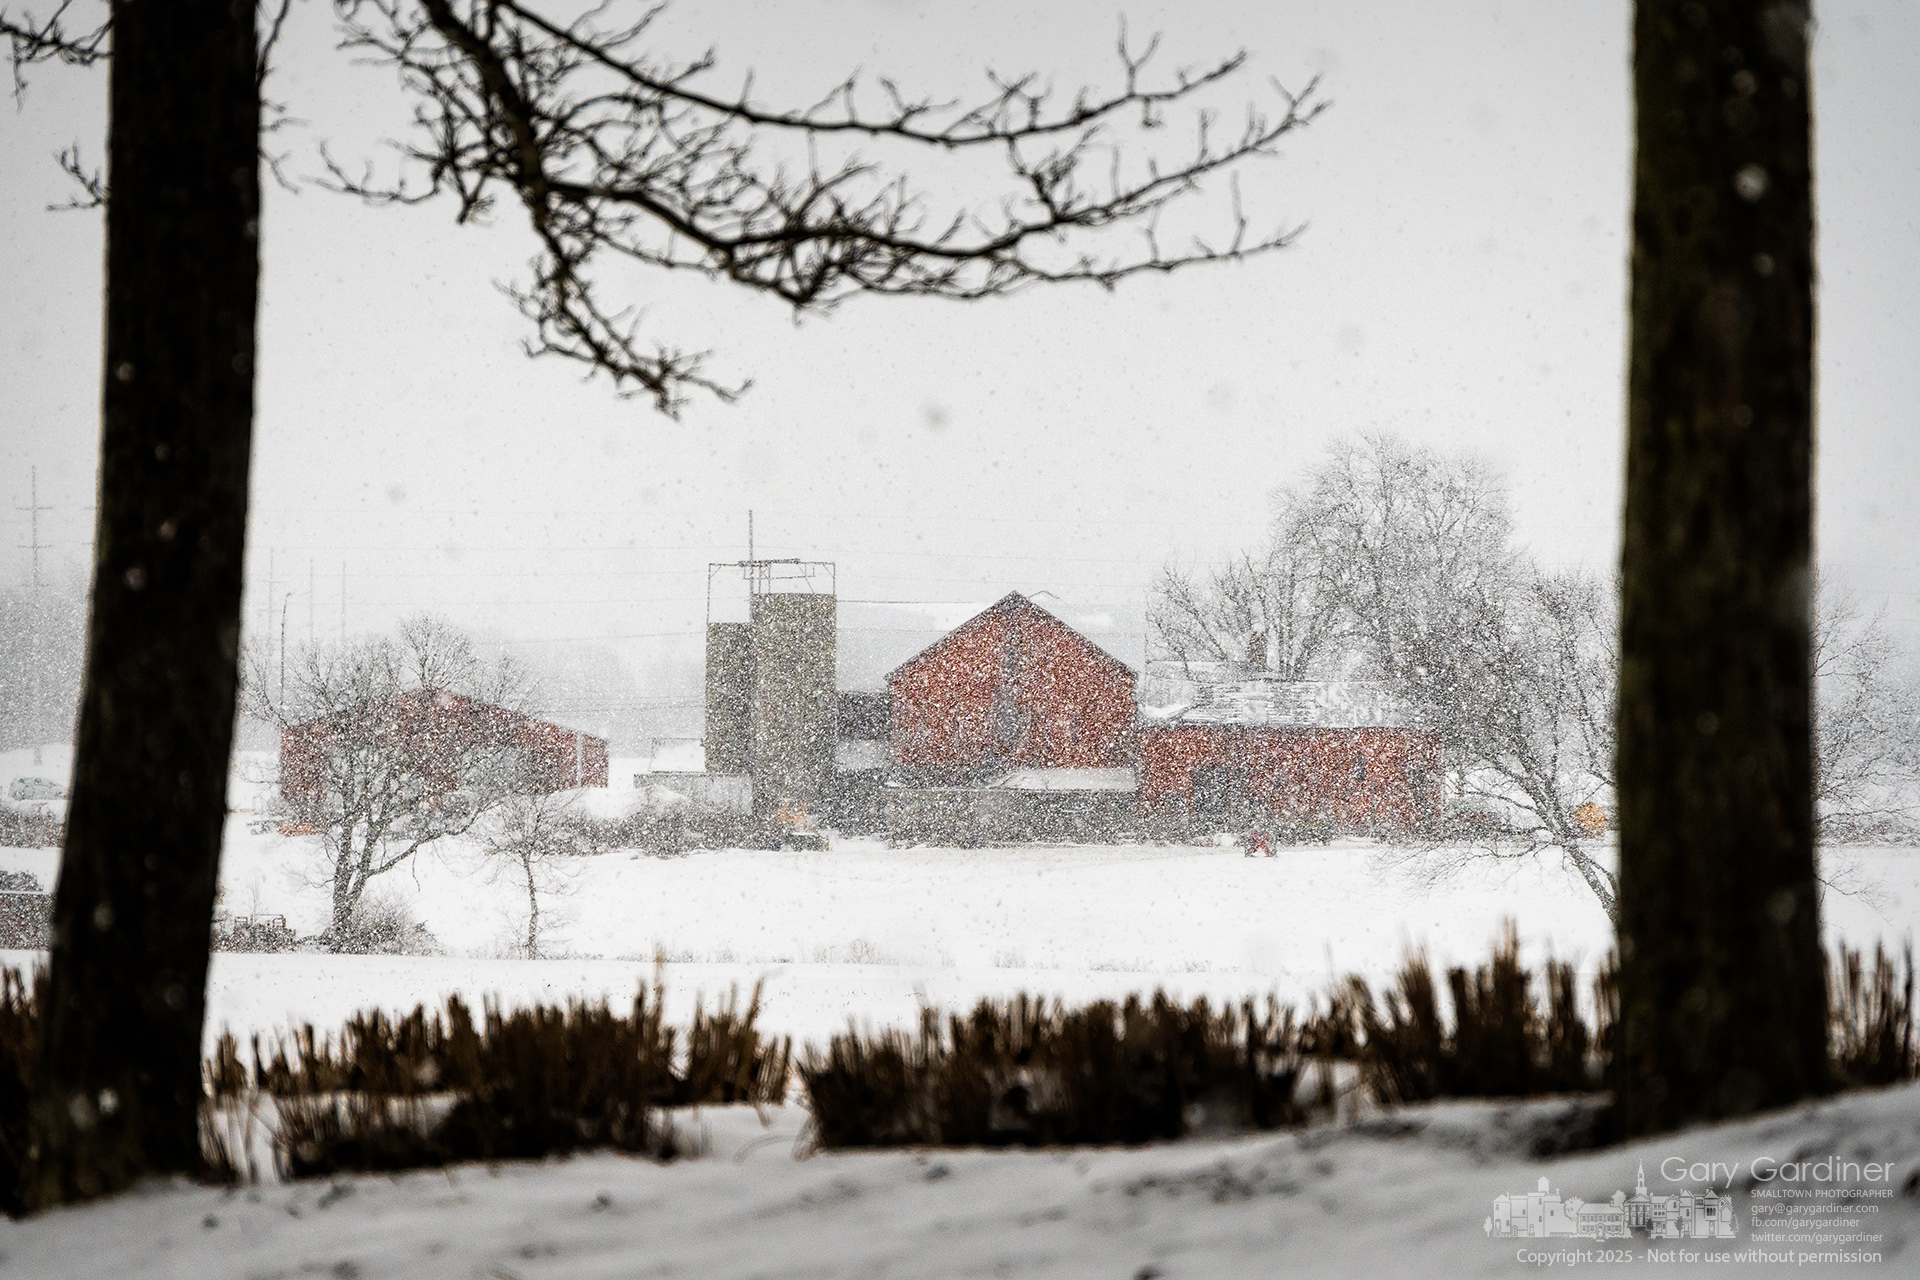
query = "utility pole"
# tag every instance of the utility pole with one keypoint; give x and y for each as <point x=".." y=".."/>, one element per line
<point x="283" y="647"/>
<point x="343" y="602"/>
<point x="310" y="595"/>
<point x="266" y="615"/>
<point x="266" y="605"/>
<point x="33" y="510"/>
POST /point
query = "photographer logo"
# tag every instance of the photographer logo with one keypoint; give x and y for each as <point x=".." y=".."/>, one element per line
<point x="1678" y="1215"/>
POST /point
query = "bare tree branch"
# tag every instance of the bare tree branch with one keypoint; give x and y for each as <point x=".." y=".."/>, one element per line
<point x="47" y="41"/>
<point x="273" y="115"/>
<point x="31" y="40"/>
<point x="615" y="153"/>
<point x="91" y="181"/>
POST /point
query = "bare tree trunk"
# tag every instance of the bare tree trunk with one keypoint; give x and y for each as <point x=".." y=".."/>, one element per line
<point x="533" y="909"/>
<point x="1723" y="996"/>
<point x="1602" y="884"/>
<point x="344" y="897"/>
<point x="118" y="1092"/>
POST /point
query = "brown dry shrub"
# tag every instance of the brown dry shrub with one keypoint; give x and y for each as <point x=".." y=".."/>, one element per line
<point x="1026" y="1072"/>
<point x="431" y="1089"/>
<point x="21" y="1000"/>
<point x="1871" y="1019"/>
<point x="1499" y="1042"/>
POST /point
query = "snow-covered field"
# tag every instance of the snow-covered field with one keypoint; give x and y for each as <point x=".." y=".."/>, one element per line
<point x="870" y="934"/>
<point x="1409" y="1196"/>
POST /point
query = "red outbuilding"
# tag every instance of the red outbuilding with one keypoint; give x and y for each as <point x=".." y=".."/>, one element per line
<point x="436" y="731"/>
<point x="1331" y="755"/>
<point x="1011" y="688"/>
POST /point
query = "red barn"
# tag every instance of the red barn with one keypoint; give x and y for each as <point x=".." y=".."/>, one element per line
<point x="1013" y="687"/>
<point x="1333" y="755"/>
<point x="436" y="731"/>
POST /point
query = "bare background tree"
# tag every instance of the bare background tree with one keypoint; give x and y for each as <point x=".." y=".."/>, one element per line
<point x="1380" y="560"/>
<point x="391" y="763"/>
<point x="1534" y="737"/>
<point x="616" y="154"/>
<point x="1866" y="725"/>
<point x="529" y="837"/>
<point x="1275" y="610"/>
<point x="1415" y="545"/>
<point x="45" y="624"/>
<point x="1393" y="563"/>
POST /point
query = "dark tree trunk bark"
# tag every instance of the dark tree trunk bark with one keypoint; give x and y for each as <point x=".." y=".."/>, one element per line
<point x="119" y="1087"/>
<point x="1723" y="994"/>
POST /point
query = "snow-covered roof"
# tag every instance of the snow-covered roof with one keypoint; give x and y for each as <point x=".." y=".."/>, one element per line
<point x="1281" y="704"/>
<point x="854" y="755"/>
<point x="677" y="755"/>
<point x="1066" y="780"/>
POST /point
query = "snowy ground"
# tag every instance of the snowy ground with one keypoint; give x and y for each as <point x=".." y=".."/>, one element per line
<point x="872" y="934"/>
<point x="863" y="931"/>
<point x="1406" y="1197"/>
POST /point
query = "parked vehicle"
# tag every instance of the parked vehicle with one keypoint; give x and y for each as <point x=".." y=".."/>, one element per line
<point x="36" y="789"/>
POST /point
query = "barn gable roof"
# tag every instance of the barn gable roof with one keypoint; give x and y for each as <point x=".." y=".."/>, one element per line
<point x="1013" y="603"/>
<point x="444" y="699"/>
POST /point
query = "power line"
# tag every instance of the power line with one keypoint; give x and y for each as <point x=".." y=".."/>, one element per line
<point x="637" y="635"/>
<point x="1181" y="521"/>
<point x="667" y="573"/>
<point x="537" y="573"/>
<point x="512" y="600"/>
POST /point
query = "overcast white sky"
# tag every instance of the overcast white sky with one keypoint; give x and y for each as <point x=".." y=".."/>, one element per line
<point x="1461" y="281"/>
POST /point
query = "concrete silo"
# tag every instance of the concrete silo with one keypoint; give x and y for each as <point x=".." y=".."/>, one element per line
<point x="770" y="694"/>
<point x="792" y="703"/>
<point x="729" y="736"/>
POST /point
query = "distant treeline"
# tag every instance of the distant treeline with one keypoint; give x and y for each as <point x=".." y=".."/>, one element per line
<point x="42" y="646"/>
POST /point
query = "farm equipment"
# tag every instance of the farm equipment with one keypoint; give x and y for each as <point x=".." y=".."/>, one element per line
<point x="796" y="829"/>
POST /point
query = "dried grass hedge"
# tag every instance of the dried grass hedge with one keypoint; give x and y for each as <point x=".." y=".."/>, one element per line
<point x="433" y="1089"/>
<point x="21" y="1000"/>
<point x="429" y="1089"/>
<point x="1025" y="1072"/>
<point x="1499" y="1043"/>
<point x="1871" y="1019"/>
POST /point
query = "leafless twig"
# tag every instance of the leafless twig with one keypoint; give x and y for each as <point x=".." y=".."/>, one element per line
<point x="34" y="41"/>
<point x="31" y="40"/>
<point x="91" y="181"/>
<point x="614" y="152"/>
